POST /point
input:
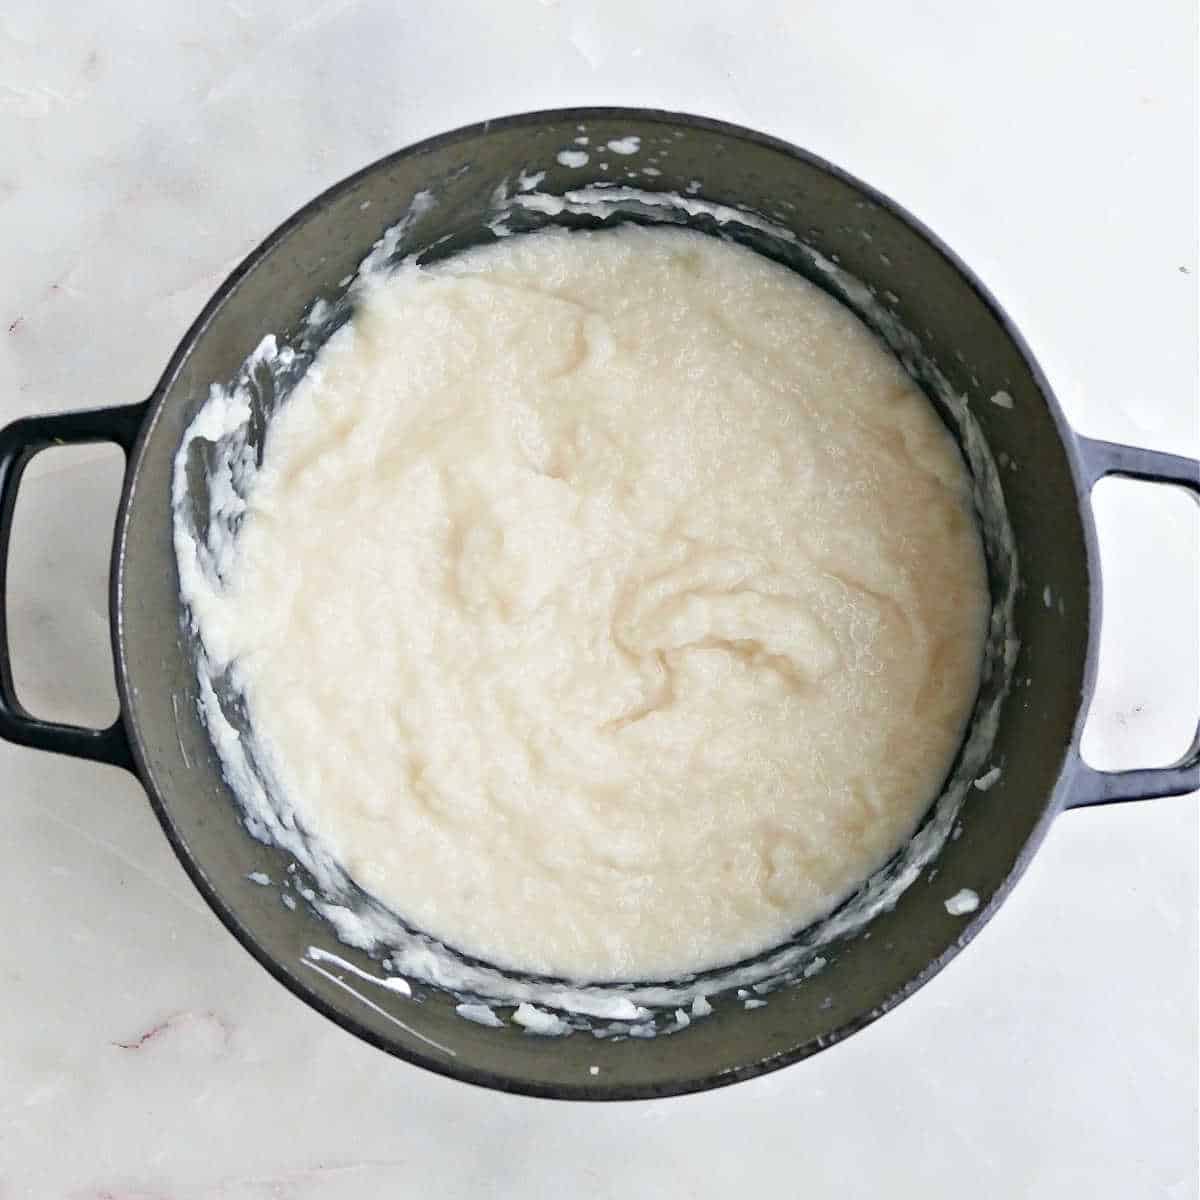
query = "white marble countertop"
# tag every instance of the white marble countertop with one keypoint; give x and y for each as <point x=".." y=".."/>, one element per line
<point x="143" y="1054"/>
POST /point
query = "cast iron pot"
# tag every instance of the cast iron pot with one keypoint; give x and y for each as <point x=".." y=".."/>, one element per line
<point x="159" y="735"/>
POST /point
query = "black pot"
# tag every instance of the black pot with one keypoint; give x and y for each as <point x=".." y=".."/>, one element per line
<point x="160" y="737"/>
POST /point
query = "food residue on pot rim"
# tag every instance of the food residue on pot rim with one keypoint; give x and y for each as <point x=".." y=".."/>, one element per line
<point x="535" y="1020"/>
<point x="987" y="779"/>
<point x="962" y="902"/>
<point x="481" y="1014"/>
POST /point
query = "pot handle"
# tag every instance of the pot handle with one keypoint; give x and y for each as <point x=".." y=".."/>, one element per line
<point x="1090" y="786"/>
<point x="19" y="442"/>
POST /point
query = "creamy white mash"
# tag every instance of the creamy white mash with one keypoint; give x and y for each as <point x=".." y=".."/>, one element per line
<point x="609" y="604"/>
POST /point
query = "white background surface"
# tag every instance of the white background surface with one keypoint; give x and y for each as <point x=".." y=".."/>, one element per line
<point x="144" y="149"/>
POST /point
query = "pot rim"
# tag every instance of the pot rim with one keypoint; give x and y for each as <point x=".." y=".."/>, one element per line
<point x="597" y="1090"/>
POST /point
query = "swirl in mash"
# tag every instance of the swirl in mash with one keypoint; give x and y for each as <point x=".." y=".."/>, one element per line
<point x="610" y="604"/>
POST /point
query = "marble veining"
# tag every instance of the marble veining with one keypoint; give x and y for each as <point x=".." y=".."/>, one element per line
<point x="143" y="1054"/>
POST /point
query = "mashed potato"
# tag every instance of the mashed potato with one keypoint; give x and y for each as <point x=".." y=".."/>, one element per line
<point x="610" y="604"/>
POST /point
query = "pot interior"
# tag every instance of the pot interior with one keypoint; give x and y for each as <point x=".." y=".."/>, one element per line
<point x="463" y="189"/>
